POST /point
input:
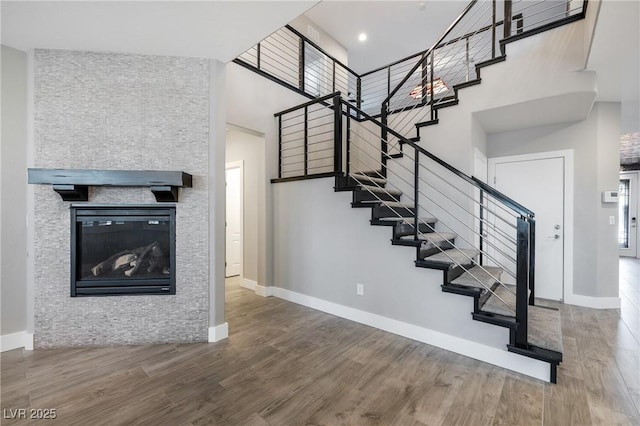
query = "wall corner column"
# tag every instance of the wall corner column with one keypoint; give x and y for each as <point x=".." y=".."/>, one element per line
<point x="218" y="328"/>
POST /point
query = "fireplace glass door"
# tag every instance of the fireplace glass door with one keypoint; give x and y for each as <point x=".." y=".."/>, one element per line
<point x="118" y="250"/>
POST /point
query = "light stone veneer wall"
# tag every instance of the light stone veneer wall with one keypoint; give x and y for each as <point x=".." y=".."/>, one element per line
<point x="121" y="112"/>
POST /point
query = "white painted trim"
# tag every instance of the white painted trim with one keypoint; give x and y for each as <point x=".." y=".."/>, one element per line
<point x="218" y="332"/>
<point x="236" y="165"/>
<point x="30" y="284"/>
<point x="567" y="155"/>
<point x="501" y="358"/>
<point x="21" y="339"/>
<point x="260" y="290"/>
<point x="594" y="302"/>
<point x="264" y="291"/>
<point x="248" y="284"/>
<point x="28" y="341"/>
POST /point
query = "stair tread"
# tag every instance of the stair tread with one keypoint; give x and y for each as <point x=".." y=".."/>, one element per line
<point x="454" y="256"/>
<point x="434" y="237"/>
<point x="487" y="275"/>
<point x="377" y="189"/>
<point x="544" y="325"/>
<point x="411" y="220"/>
<point x="360" y="178"/>
<point x="494" y="304"/>
<point x="395" y="204"/>
<point x="426" y="123"/>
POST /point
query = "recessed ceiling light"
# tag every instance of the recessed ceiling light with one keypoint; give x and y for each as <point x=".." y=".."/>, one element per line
<point x="362" y="37"/>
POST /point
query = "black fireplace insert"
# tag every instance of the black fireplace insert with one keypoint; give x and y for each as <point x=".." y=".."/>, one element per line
<point x="122" y="250"/>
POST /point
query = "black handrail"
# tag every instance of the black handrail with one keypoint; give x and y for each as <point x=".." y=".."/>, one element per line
<point x="426" y="51"/>
<point x="512" y="204"/>
<point x="442" y="37"/>
<point x="314" y="101"/>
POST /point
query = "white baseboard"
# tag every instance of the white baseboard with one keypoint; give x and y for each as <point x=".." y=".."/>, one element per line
<point x="248" y="284"/>
<point x="501" y="358"/>
<point x="264" y="291"/>
<point x="260" y="290"/>
<point x="594" y="302"/>
<point x="21" y="339"/>
<point x="218" y="332"/>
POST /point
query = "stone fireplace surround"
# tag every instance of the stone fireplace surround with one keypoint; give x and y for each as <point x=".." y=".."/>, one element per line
<point x="120" y="112"/>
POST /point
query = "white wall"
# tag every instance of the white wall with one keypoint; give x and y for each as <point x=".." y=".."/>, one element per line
<point x="13" y="189"/>
<point x="250" y="148"/>
<point x="595" y="142"/>
<point x="218" y="328"/>
<point x="328" y="43"/>
<point x="323" y="248"/>
<point x="251" y="101"/>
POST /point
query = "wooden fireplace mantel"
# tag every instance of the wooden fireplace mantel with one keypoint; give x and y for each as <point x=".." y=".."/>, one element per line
<point x="73" y="184"/>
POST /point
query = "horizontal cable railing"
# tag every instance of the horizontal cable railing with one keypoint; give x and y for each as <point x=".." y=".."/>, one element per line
<point x="471" y="40"/>
<point x="411" y="88"/>
<point x="307" y="136"/>
<point x="498" y="231"/>
<point x="300" y="64"/>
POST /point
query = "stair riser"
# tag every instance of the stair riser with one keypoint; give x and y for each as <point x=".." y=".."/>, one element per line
<point x="403" y="229"/>
<point x="455" y="272"/>
<point x="384" y="211"/>
<point x="348" y="181"/>
<point x="364" y="196"/>
<point x="432" y="249"/>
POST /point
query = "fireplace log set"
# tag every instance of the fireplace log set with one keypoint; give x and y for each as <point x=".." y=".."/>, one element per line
<point x="130" y="262"/>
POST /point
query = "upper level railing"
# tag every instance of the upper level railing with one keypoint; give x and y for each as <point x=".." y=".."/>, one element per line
<point x="430" y="76"/>
<point x="476" y="36"/>
<point x="300" y="64"/>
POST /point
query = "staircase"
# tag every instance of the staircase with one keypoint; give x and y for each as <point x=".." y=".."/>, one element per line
<point x="494" y="302"/>
<point x="481" y="240"/>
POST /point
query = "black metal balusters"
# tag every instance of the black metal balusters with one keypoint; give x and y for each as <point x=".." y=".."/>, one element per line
<point x="416" y="194"/>
<point x="337" y="133"/>
<point x="481" y="227"/>
<point x="493" y="30"/>
<point x="301" y="64"/>
<point x="348" y="142"/>
<point x="306" y="140"/>
<point x="507" y="18"/>
<point x="279" y="146"/>
<point x="522" y="278"/>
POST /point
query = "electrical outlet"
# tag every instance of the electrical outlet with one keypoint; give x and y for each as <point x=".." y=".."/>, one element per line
<point x="612" y="220"/>
<point x="360" y="289"/>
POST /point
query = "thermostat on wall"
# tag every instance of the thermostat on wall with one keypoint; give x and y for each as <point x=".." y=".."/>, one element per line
<point x="609" y="196"/>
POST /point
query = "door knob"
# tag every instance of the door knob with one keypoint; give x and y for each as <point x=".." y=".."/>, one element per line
<point x="554" y="237"/>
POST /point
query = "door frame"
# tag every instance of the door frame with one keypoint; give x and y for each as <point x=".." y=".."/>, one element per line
<point x="634" y="201"/>
<point x="567" y="155"/>
<point x="235" y="165"/>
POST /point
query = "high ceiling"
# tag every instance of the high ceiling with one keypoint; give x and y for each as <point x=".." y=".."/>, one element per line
<point x="224" y="29"/>
<point x="395" y="29"/>
<point x="210" y="29"/>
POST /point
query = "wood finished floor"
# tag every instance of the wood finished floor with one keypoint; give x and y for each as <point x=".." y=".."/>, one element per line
<point x="285" y="364"/>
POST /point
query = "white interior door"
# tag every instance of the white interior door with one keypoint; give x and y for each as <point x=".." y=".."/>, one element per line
<point x="538" y="184"/>
<point x="627" y="214"/>
<point x="234" y="220"/>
